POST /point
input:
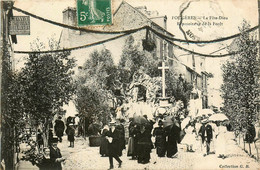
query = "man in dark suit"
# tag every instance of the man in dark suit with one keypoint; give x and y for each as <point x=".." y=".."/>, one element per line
<point x="55" y="155"/>
<point x="206" y="134"/>
<point x="113" y="137"/>
<point x="59" y="128"/>
<point x="120" y="127"/>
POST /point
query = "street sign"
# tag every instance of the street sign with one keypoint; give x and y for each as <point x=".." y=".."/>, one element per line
<point x="94" y="12"/>
<point x="19" y="25"/>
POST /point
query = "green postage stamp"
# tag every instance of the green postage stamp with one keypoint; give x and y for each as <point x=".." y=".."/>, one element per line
<point x="94" y="12"/>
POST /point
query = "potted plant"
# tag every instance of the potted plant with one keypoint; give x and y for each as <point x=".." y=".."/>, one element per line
<point x="94" y="132"/>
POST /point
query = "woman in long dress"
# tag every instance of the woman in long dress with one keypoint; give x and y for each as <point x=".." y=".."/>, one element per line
<point x="172" y="138"/>
<point x="71" y="134"/>
<point x="121" y="141"/>
<point x="134" y="130"/>
<point x="103" y="149"/>
<point x="160" y="139"/>
<point x="190" y="137"/>
<point x="198" y="124"/>
<point x="144" y="145"/>
<point x="221" y="141"/>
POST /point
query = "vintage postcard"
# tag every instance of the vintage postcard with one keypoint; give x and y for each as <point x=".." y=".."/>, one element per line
<point x="130" y="84"/>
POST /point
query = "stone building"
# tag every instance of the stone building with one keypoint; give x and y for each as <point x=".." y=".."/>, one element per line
<point x="126" y="17"/>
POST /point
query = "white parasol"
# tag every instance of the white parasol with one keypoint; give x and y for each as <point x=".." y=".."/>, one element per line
<point x="205" y="112"/>
<point x="218" y="117"/>
<point x="185" y="122"/>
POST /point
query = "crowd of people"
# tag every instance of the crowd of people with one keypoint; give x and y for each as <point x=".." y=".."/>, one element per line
<point x="198" y="135"/>
<point x="51" y="157"/>
<point x="164" y="135"/>
<point x="140" y="143"/>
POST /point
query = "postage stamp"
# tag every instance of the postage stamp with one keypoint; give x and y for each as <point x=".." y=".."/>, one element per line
<point x="94" y="12"/>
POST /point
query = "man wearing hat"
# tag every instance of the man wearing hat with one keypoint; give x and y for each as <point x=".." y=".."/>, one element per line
<point x="59" y="128"/>
<point x="206" y="134"/>
<point x="55" y="155"/>
<point x="113" y="136"/>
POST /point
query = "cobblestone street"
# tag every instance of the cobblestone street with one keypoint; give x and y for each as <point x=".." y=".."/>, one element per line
<point x="85" y="157"/>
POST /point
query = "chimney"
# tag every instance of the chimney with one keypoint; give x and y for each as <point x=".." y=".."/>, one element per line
<point x="165" y="22"/>
<point x="142" y="9"/>
<point x="161" y="21"/>
<point x="69" y="16"/>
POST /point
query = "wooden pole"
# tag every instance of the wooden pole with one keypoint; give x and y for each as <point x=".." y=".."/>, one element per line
<point x="239" y="139"/>
<point x="256" y="151"/>
<point x="249" y="149"/>
<point x="244" y="142"/>
<point x="84" y="127"/>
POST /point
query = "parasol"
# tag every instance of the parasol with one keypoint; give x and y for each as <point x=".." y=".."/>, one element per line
<point x="140" y="120"/>
<point x="205" y="112"/>
<point x="161" y="110"/>
<point x="218" y="117"/>
<point x="185" y="122"/>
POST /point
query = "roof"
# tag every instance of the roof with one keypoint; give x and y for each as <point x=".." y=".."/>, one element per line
<point x="191" y="70"/>
<point x="150" y="23"/>
<point x="143" y="16"/>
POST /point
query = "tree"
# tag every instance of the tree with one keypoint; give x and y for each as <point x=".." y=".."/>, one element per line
<point x="240" y="88"/>
<point x="133" y="60"/>
<point x="12" y="120"/>
<point x="132" y="57"/>
<point x="94" y="86"/>
<point x="178" y="87"/>
<point x="46" y="82"/>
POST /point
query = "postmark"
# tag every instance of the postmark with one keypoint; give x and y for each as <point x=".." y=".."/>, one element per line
<point x="195" y="24"/>
<point x="94" y="12"/>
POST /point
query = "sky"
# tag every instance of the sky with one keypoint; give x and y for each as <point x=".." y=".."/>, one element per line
<point x="235" y="11"/>
<point x="217" y="18"/>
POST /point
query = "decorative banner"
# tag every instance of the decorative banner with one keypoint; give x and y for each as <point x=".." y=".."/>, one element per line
<point x="19" y="25"/>
<point x="94" y="12"/>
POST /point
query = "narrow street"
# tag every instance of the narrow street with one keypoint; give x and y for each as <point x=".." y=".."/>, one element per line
<point x="85" y="157"/>
<point x="178" y="70"/>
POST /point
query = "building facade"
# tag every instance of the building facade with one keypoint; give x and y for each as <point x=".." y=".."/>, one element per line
<point x="127" y="17"/>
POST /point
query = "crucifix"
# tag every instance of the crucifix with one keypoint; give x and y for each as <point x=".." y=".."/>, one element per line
<point x="163" y="68"/>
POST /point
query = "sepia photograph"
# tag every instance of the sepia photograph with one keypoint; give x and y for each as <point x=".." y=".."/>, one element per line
<point x="130" y="84"/>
